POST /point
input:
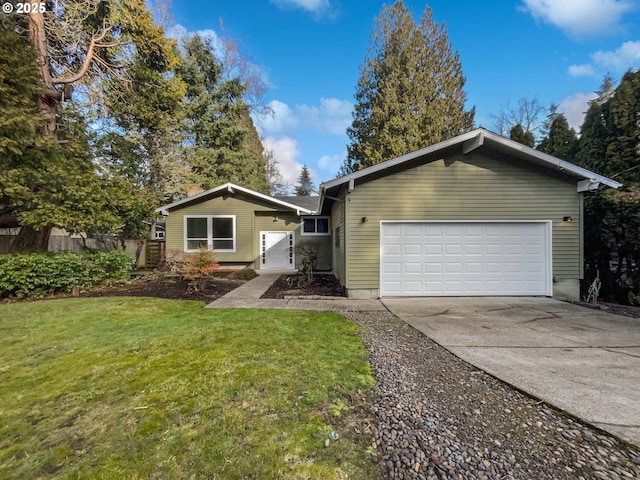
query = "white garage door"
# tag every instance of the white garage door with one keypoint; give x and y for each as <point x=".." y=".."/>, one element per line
<point x="465" y="258"/>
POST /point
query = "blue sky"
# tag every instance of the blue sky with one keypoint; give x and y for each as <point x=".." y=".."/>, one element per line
<point x="309" y="52"/>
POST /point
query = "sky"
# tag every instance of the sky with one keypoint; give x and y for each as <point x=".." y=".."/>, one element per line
<point x="308" y="54"/>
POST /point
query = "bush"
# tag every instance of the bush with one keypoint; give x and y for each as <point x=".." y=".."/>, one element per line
<point x="38" y="274"/>
<point x="199" y="267"/>
<point x="109" y="268"/>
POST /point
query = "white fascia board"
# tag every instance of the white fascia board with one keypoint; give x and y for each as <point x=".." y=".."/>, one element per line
<point x="470" y="145"/>
<point x="587" y="185"/>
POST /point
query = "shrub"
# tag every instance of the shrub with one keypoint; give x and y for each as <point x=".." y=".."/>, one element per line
<point x="38" y="274"/>
<point x="109" y="268"/>
<point x="199" y="267"/>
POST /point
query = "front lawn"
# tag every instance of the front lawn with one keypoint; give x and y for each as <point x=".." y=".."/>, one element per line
<point x="148" y="388"/>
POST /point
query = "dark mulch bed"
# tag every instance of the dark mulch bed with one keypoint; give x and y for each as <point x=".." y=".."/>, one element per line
<point x="174" y="288"/>
<point x="325" y="285"/>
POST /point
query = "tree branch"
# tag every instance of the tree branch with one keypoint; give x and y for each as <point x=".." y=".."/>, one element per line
<point x="90" y="56"/>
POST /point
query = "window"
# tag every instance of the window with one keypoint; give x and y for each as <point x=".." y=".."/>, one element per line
<point x="316" y="226"/>
<point x="214" y="232"/>
<point x="337" y="237"/>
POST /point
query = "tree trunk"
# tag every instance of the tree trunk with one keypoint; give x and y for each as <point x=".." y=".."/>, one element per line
<point x="49" y="96"/>
<point x="31" y="240"/>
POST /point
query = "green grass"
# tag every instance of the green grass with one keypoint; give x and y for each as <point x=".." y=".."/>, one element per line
<point x="145" y="388"/>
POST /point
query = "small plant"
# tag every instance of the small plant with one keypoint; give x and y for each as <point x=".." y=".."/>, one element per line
<point x="338" y="408"/>
<point x="307" y="252"/>
<point x="199" y="268"/>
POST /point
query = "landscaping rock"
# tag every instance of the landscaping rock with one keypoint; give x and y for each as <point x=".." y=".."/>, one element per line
<point x="437" y="417"/>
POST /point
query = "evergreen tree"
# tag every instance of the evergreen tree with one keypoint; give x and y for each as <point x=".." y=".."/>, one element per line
<point x="20" y="123"/>
<point x="561" y="141"/>
<point x="609" y="145"/>
<point x="624" y="144"/>
<point x="410" y="91"/>
<point x="519" y="135"/>
<point x="595" y="131"/>
<point x="305" y="184"/>
<point x="222" y="142"/>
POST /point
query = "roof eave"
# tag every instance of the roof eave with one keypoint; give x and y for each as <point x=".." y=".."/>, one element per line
<point x="470" y="141"/>
<point x="231" y="188"/>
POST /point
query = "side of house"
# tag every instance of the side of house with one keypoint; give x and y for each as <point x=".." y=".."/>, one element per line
<point x="245" y="228"/>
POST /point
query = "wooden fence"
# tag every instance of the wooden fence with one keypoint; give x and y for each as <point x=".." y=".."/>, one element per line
<point x="152" y="252"/>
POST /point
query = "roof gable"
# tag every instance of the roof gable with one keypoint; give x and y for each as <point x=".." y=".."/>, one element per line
<point x="231" y="188"/>
<point x="469" y="142"/>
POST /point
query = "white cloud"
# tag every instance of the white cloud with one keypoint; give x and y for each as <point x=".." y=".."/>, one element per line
<point x="331" y="116"/>
<point x="308" y="5"/>
<point x="584" y="70"/>
<point x="286" y="151"/>
<point x="615" y="61"/>
<point x="579" y="18"/>
<point x="332" y="163"/>
<point x="623" y="58"/>
<point x="280" y="119"/>
<point x="574" y="107"/>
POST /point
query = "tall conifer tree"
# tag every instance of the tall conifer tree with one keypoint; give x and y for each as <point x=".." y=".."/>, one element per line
<point x="222" y="142"/>
<point x="410" y="91"/>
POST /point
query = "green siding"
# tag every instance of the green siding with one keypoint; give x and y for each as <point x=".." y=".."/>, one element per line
<point x="337" y="221"/>
<point x="475" y="186"/>
<point x="322" y="244"/>
<point x="252" y="216"/>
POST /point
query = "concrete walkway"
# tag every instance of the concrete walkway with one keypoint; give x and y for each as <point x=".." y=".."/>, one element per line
<point x="248" y="296"/>
<point x="583" y="361"/>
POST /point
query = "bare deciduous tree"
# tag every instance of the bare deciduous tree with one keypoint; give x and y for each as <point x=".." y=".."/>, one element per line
<point x="529" y="113"/>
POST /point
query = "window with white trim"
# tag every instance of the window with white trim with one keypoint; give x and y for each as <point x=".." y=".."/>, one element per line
<point x="214" y="232"/>
<point x="316" y="226"/>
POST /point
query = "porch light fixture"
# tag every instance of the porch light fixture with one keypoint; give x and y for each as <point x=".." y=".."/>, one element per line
<point x="365" y="219"/>
<point x="568" y="218"/>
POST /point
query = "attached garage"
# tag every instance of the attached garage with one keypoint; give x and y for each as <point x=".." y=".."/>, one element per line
<point x="465" y="258"/>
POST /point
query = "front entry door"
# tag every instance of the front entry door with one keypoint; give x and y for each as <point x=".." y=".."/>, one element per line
<point x="276" y="250"/>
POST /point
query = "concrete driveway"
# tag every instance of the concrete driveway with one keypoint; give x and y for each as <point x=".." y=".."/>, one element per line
<point x="583" y="361"/>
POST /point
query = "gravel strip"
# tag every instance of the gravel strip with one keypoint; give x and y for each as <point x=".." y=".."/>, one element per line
<point x="437" y="417"/>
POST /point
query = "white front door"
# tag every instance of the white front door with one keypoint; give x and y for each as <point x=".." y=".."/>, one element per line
<point x="276" y="250"/>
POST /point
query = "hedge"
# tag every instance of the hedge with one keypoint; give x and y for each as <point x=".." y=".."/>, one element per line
<point x="38" y="274"/>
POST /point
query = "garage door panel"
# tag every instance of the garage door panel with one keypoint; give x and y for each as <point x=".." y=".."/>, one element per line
<point x="389" y="267"/>
<point x="433" y="249"/>
<point x="431" y="267"/>
<point x="474" y="267"/>
<point x="473" y="249"/>
<point x="475" y="258"/>
<point x="412" y="249"/>
<point x="413" y="268"/>
<point x="392" y="248"/>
